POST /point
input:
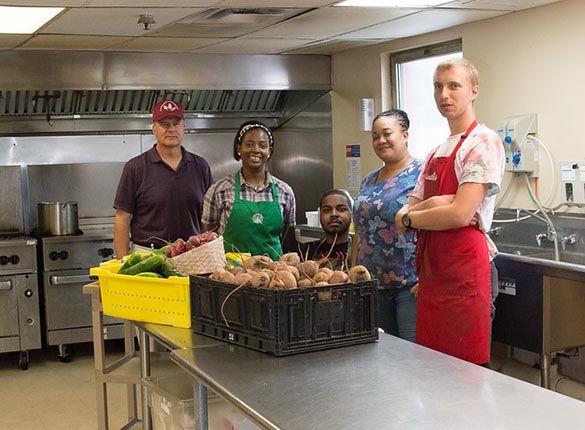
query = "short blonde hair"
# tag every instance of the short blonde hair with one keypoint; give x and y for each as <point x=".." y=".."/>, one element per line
<point x="460" y="62"/>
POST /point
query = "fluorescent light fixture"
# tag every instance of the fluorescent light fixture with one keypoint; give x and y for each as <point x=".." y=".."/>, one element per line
<point x="25" y="20"/>
<point x="391" y="3"/>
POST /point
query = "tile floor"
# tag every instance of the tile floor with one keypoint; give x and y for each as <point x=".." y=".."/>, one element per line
<point x="51" y="395"/>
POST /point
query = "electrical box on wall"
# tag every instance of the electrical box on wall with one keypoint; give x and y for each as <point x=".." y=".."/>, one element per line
<point x="521" y="150"/>
<point x="573" y="181"/>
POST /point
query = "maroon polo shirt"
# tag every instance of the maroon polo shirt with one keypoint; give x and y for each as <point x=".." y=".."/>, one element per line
<point x="164" y="203"/>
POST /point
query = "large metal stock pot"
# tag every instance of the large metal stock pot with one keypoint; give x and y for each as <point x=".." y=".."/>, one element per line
<point x="58" y="218"/>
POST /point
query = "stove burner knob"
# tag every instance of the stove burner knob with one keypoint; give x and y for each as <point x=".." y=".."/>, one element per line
<point x="54" y="255"/>
<point x="28" y="293"/>
<point x="105" y="252"/>
<point x="14" y="259"/>
<point x="3" y="260"/>
<point x="63" y="255"/>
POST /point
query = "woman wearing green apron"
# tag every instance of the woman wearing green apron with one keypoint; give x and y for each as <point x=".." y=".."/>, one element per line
<point x="251" y="208"/>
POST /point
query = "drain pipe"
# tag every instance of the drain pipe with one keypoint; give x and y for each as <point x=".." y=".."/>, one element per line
<point x="569" y="387"/>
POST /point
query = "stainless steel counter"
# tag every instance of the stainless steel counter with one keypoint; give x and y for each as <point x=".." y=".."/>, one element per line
<point x="554" y="269"/>
<point x="389" y="384"/>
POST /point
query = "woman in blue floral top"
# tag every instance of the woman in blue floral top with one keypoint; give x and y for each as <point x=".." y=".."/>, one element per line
<point x="386" y="253"/>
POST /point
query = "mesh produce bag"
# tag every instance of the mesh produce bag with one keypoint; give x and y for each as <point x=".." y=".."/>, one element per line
<point x="203" y="259"/>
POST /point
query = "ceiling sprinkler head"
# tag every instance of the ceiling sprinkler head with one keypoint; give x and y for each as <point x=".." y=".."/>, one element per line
<point x="146" y="20"/>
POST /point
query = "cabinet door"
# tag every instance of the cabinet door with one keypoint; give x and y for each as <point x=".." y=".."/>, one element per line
<point x="8" y="307"/>
<point x="519" y="308"/>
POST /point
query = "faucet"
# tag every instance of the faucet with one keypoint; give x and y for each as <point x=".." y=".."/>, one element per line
<point x="570" y="239"/>
<point x="540" y="237"/>
<point x="495" y="231"/>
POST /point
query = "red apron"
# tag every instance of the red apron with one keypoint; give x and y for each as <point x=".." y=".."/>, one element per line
<point x="453" y="305"/>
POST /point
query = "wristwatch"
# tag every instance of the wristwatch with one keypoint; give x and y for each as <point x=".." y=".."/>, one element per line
<point x="406" y="220"/>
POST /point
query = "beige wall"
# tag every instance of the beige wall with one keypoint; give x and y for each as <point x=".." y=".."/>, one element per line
<point x="529" y="62"/>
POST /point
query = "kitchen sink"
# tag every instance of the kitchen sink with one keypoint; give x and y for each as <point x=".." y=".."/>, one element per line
<point x="548" y="254"/>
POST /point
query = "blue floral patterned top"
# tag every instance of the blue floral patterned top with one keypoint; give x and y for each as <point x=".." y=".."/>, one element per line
<point x="388" y="255"/>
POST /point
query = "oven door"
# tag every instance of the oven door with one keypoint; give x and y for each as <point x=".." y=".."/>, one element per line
<point x="8" y="315"/>
<point x="67" y="309"/>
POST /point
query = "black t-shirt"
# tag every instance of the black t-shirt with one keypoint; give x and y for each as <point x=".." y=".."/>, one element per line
<point x="338" y="256"/>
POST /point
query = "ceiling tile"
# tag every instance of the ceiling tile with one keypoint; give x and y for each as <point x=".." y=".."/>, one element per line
<point x="276" y="3"/>
<point x="498" y="4"/>
<point x="163" y="44"/>
<point x="202" y="30"/>
<point x="421" y="22"/>
<point x="331" y="47"/>
<point x="152" y="3"/>
<point x="331" y="21"/>
<point x="67" y="42"/>
<point x="10" y="41"/>
<point x="112" y="21"/>
<point x="43" y="3"/>
<point x="253" y="46"/>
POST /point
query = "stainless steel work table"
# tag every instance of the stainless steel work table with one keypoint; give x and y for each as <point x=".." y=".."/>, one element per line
<point x="383" y="385"/>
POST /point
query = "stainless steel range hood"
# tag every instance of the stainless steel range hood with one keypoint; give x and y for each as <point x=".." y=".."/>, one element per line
<point x="82" y="92"/>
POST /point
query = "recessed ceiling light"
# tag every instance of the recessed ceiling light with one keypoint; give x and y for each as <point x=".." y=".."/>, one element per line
<point x="25" y="20"/>
<point x="391" y="3"/>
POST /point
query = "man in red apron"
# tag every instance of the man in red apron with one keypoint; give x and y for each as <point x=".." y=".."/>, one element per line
<point x="451" y="207"/>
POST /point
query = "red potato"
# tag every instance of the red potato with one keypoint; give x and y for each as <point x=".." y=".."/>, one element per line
<point x="194" y="240"/>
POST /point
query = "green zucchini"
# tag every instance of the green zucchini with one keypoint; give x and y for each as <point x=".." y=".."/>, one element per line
<point x="150" y="264"/>
<point x="166" y="269"/>
<point x="149" y="275"/>
<point x="131" y="260"/>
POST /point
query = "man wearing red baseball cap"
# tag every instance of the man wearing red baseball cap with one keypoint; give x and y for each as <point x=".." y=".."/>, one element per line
<point x="160" y="194"/>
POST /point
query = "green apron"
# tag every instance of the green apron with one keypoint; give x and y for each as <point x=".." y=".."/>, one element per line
<point x="254" y="227"/>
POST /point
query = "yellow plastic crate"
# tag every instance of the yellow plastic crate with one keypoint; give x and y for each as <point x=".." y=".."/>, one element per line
<point x="160" y="301"/>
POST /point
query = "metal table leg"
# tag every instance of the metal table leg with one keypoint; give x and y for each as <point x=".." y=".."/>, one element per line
<point x="144" y="373"/>
<point x="200" y="404"/>
<point x="97" y="321"/>
<point x="545" y="360"/>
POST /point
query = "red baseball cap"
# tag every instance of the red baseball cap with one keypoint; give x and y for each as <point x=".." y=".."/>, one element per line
<point x="166" y="108"/>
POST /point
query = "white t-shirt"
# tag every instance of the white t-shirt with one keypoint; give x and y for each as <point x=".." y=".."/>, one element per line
<point x="480" y="160"/>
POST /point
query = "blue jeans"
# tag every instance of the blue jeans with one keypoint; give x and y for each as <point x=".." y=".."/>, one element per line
<point x="397" y="312"/>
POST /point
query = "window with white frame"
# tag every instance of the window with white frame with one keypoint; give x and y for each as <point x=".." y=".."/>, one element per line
<point x="412" y="87"/>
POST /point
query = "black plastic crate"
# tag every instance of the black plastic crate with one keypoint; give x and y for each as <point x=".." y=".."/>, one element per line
<point x="285" y="322"/>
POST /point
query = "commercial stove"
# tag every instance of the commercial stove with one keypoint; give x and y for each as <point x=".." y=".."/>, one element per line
<point x="65" y="262"/>
<point x="20" y="322"/>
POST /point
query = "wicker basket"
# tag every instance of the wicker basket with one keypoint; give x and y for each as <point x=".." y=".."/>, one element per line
<point x="203" y="259"/>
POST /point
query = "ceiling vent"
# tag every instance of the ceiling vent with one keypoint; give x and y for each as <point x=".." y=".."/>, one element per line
<point x="240" y="16"/>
